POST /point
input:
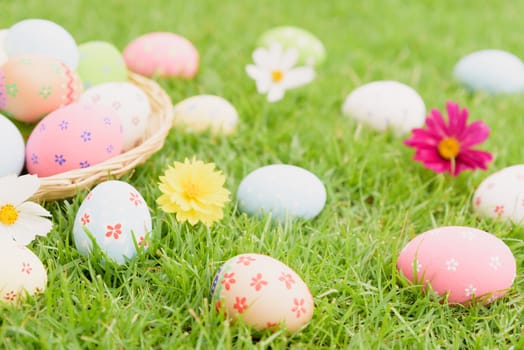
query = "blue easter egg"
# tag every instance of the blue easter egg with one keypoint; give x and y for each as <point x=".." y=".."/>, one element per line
<point x="117" y="217"/>
<point x="491" y="71"/>
<point x="284" y="191"/>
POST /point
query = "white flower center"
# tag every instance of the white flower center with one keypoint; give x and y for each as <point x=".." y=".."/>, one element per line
<point x="8" y="214"/>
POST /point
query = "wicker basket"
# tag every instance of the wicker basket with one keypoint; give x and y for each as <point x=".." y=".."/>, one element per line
<point x="67" y="184"/>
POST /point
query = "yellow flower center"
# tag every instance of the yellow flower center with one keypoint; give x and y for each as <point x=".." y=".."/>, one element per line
<point x="192" y="190"/>
<point x="449" y="148"/>
<point x="277" y="75"/>
<point x="8" y="214"/>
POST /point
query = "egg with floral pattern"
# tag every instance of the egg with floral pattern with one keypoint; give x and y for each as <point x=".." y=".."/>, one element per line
<point x="262" y="291"/>
<point x="129" y="102"/>
<point x="116" y="216"/>
<point x="32" y="86"/>
<point x="73" y="137"/>
<point x="22" y="273"/>
<point x="459" y="262"/>
<point x="501" y="195"/>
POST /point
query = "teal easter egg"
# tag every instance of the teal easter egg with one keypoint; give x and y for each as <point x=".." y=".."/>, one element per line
<point x="491" y="71"/>
<point x="282" y="191"/>
<point x="310" y="49"/>
<point x="100" y="62"/>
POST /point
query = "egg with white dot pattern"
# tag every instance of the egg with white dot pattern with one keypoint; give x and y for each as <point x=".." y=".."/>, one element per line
<point x="262" y="291"/>
<point x="310" y="49"/>
<point x="459" y="262"/>
<point x="386" y="105"/>
<point x="282" y="191"/>
<point x="501" y="195"/>
<point x="117" y="217"/>
<point x="205" y="112"/>
<point x="22" y="273"/>
<point x="129" y="102"/>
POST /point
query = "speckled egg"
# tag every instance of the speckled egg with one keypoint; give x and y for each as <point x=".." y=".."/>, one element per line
<point x="263" y="292"/>
<point x="42" y="37"/>
<point x="205" y="112"/>
<point x="460" y="262"/>
<point x="117" y="217"/>
<point x="491" y="71"/>
<point x="12" y="148"/>
<point x="283" y="191"/>
<point x="100" y="62"/>
<point x="32" y="86"/>
<point x="501" y="195"/>
<point x="129" y="102"/>
<point x="22" y="273"/>
<point x="386" y="105"/>
<point x="310" y="49"/>
<point x="73" y="137"/>
<point x="162" y="54"/>
<point x="3" y="54"/>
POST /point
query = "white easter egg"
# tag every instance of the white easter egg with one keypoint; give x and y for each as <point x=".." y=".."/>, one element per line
<point x="205" y="112"/>
<point x="263" y="291"/>
<point x="3" y="54"/>
<point x="501" y="195"/>
<point x="284" y="191"/>
<point x="460" y="262"/>
<point x="12" y="148"/>
<point x="117" y="217"/>
<point x="129" y="102"/>
<point x="40" y="36"/>
<point x="386" y="105"/>
<point x="22" y="272"/>
<point x="492" y="71"/>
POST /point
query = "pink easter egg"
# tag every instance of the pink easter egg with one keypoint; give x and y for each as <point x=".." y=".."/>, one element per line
<point x="162" y="54"/>
<point x="73" y="137"/>
<point x="462" y="262"/>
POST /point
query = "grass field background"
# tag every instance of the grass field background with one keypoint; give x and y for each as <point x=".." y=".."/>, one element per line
<point x="378" y="198"/>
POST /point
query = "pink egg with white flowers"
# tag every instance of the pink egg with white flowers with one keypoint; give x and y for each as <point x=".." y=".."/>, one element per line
<point x="73" y="137"/>
<point x="263" y="292"/>
<point x="463" y="263"/>
<point x="162" y="54"/>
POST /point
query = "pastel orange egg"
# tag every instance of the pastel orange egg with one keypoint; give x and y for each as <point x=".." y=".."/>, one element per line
<point x="31" y="86"/>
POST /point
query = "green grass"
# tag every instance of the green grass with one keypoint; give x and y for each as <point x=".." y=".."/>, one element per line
<point x="378" y="199"/>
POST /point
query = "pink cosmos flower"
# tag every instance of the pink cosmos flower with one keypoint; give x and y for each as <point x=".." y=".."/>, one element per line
<point x="446" y="146"/>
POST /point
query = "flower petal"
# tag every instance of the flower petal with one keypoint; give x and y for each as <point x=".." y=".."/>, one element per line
<point x="422" y="138"/>
<point x="436" y="123"/>
<point x="289" y="59"/>
<point x="457" y="119"/>
<point x="276" y="93"/>
<point x="28" y="226"/>
<point x="261" y="57"/>
<point x="297" y="77"/>
<point x="476" y="133"/>
<point x="255" y="72"/>
<point x="32" y="208"/>
<point x="15" y="190"/>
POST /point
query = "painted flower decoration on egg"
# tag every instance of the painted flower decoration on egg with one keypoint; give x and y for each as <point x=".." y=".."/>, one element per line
<point x="20" y="219"/>
<point x="194" y="191"/>
<point x="275" y="72"/>
<point x="447" y="146"/>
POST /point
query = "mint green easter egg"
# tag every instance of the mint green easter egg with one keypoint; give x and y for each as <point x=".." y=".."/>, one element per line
<point x="311" y="51"/>
<point x="100" y="62"/>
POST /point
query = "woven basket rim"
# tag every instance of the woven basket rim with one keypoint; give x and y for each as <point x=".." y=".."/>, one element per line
<point x="68" y="184"/>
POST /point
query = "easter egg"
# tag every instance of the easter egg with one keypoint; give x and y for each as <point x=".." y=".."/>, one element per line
<point x="162" y="54"/>
<point x="22" y="273"/>
<point x="283" y="191"/>
<point x="501" y="195"/>
<point x="386" y="105"/>
<point x="205" y="112"/>
<point x="100" y="62"/>
<point x="460" y="262"/>
<point x="310" y="49"/>
<point x="73" y="137"/>
<point x="33" y="86"/>
<point x="3" y="54"/>
<point x="263" y="292"/>
<point x="115" y="215"/>
<point x="491" y="71"/>
<point x="12" y="148"/>
<point x="129" y="102"/>
<point x="43" y="37"/>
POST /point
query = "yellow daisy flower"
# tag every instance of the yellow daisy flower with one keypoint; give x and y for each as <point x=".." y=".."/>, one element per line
<point x="194" y="191"/>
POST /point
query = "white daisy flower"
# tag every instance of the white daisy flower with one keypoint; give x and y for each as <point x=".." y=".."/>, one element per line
<point x="274" y="71"/>
<point x="20" y="219"/>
